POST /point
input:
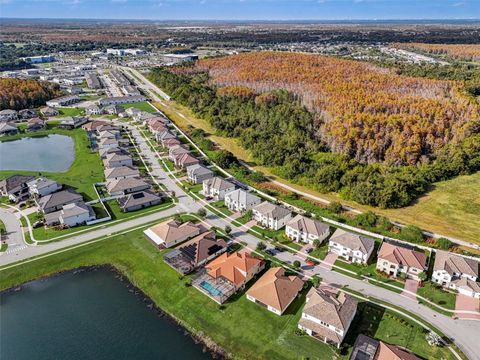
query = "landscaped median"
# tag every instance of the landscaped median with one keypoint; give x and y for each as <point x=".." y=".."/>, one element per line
<point x="241" y="327"/>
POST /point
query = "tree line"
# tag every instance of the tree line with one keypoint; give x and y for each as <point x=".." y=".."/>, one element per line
<point x="17" y="94"/>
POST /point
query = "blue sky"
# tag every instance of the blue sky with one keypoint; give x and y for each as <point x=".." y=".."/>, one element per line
<point x="242" y="9"/>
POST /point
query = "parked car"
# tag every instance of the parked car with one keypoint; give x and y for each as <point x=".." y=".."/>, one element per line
<point x="279" y="249"/>
<point x="308" y="250"/>
<point x="270" y="252"/>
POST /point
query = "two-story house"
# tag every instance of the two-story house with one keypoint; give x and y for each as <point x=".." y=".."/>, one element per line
<point x="306" y="230"/>
<point x="241" y="200"/>
<point x="394" y="260"/>
<point x="352" y="247"/>
<point x="327" y="316"/>
<point x="217" y="188"/>
<point x="271" y="216"/>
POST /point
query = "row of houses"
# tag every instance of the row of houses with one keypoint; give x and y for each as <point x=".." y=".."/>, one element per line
<point x="9" y="115"/>
<point x="123" y="180"/>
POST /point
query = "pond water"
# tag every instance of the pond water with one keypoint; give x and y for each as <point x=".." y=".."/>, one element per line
<point x="52" y="153"/>
<point x="87" y="315"/>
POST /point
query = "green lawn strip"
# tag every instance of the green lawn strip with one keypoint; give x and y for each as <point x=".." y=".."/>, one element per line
<point x="3" y="247"/>
<point x="144" y="106"/>
<point x="118" y="214"/>
<point x="85" y="170"/>
<point x="220" y="206"/>
<point x="276" y="236"/>
<point x="230" y="325"/>
<point x="438" y="296"/>
<point x="3" y="229"/>
<point x="62" y="112"/>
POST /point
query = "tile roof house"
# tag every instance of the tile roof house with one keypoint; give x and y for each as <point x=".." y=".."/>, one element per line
<point x="217" y="187"/>
<point x="15" y="187"/>
<point x="327" y="316"/>
<point x="307" y="230"/>
<point x="8" y="129"/>
<point x="366" y="348"/>
<point x="171" y="232"/>
<point x="35" y="124"/>
<point x="185" y="160"/>
<point x="195" y="252"/>
<point x="467" y="287"/>
<point x="197" y="174"/>
<point x="121" y="172"/>
<point x="241" y="200"/>
<point x="139" y="200"/>
<point x="352" y="247"/>
<point x="391" y="352"/>
<point x="117" y="160"/>
<point x="71" y="215"/>
<point x="126" y="186"/>
<point x="177" y="150"/>
<point x="275" y="291"/>
<point x="107" y="143"/>
<point x="43" y="186"/>
<point x="237" y="268"/>
<point x="168" y="143"/>
<point x="271" y="216"/>
<point x="56" y="201"/>
<point x="395" y="259"/>
<point x="162" y="136"/>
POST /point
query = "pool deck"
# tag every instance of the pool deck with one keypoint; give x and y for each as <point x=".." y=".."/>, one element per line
<point x="223" y="287"/>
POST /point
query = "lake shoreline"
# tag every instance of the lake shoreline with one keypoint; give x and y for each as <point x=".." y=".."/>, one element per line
<point x="208" y="345"/>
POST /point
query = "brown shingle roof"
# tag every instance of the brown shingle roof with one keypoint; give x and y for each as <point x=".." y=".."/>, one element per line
<point x="202" y="247"/>
<point x="353" y="241"/>
<point x="275" y="289"/>
<point x="172" y="230"/>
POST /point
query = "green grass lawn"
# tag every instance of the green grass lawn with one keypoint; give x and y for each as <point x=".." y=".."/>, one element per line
<point x="85" y="170"/>
<point x="278" y="236"/>
<point x="220" y="206"/>
<point x="70" y="112"/>
<point x="118" y="214"/>
<point x="437" y="295"/>
<point x="144" y="106"/>
<point x="240" y="326"/>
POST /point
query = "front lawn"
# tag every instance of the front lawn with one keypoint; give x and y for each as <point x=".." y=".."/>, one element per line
<point x="86" y="169"/>
<point x="241" y="327"/>
<point x="437" y="295"/>
<point x="62" y="112"/>
<point x="118" y="214"/>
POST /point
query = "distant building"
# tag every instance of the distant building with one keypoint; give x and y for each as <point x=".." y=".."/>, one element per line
<point x="35" y="124"/>
<point x="72" y="122"/>
<point x="56" y="201"/>
<point x="178" y="58"/>
<point x="8" y="115"/>
<point x="38" y="59"/>
<point x="121" y="100"/>
<point x="8" y="129"/>
<point x="93" y="81"/>
<point x="139" y="200"/>
<point x="27" y="113"/>
<point x="93" y="110"/>
<point x="198" y="173"/>
<point x="49" y="111"/>
<point x="126" y="186"/>
<point x="63" y="101"/>
<point x="117" y="160"/>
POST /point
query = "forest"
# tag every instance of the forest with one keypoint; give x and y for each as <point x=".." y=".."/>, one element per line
<point x="283" y="134"/>
<point x="19" y="94"/>
<point x="365" y="112"/>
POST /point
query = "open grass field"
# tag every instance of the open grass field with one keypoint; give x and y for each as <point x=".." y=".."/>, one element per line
<point x="70" y="112"/>
<point x="450" y="209"/>
<point x="144" y="106"/>
<point x="85" y="170"/>
<point x="241" y="327"/>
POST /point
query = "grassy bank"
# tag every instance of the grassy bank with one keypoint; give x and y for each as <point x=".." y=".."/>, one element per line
<point x="240" y="326"/>
<point x="450" y="209"/>
<point x="85" y="170"/>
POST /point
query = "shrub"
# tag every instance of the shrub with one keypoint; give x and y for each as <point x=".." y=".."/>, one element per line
<point x="296" y="264"/>
<point x="444" y="243"/>
<point x="202" y="212"/>
<point x="411" y="233"/>
<point x="228" y="229"/>
<point x="335" y="207"/>
<point x="261" y="246"/>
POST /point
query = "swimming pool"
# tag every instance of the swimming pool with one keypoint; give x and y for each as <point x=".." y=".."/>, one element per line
<point x="210" y="289"/>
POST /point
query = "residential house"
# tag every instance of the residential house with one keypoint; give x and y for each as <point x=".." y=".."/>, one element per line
<point x="168" y="143"/>
<point x="111" y="150"/>
<point x="352" y="247"/>
<point x="236" y="268"/>
<point x="366" y="348"/>
<point x="27" y="114"/>
<point x="56" y="201"/>
<point x="197" y="174"/>
<point x="8" y="129"/>
<point x="327" y="316"/>
<point x="43" y="186"/>
<point x="275" y="291"/>
<point x="63" y="101"/>
<point x="139" y="200"/>
<point x="109" y="134"/>
<point x="394" y="260"/>
<point x="157" y="128"/>
<point x="306" y="230"/>
<point x="449" y="269"/>
<point x="113" y="109"/>
<point x="132" y="111"/>
<point x="176" y="151"/>
<point x="71" y="215"/>
<point x="121" y="172"/>
<point x="163" y="136"/>
<point x="195" y="252"/>
<point x="93" y="110"/>
<point x="217" y="187"/>
<point x="35" y="124"/>
<point x="49" y="111"/>
<point x="467" y="287"/>
<point x="171" y="232"/>
<point x="185" y="160"/>
<point x="241" y="200"/>
<point x="72" y="122"/>
<point x="118" y="100"/>
<point x="271" y="216"/>
<point x="107" y="143"/>
<point x="117" y="160"/>
<point x="126" y="186"/>
<point x="8" y="115"/>
<point x="15" y="187"/>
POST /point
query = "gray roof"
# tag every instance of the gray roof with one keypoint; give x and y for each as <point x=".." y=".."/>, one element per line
<point x="14" y="181"/>
<point x="41" y="183"/>
<point x="140" y="198"/>
<point x="120" y="171"/>
<point x="307" y="225"/>
<point x="365" y="348"/>
<point x="76" y="209"/>
<point x="218" y="183"/>
<point x="197" y="169"/>
<point x="271" y="210"/>
<point x="452" y="263"/>
<point x="125" y="184"/>
<point x="353" y="241"/>
<point x="117" y="157"/>
<point x="59" y="198"/>
<point x="242" y="197"/>
<point x="7" y="112"/>
<point x="7" y="127"/>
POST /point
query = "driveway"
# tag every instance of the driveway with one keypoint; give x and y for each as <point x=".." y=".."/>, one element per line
<point x="410" y="289"/>
<point x="467" y="303"/>
<point x="329" y="260"/>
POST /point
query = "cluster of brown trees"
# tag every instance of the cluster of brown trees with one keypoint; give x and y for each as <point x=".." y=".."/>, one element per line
<point x="458" y="51"/>
<point x="365" y="112"/>
<point x="19" y="94"/>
